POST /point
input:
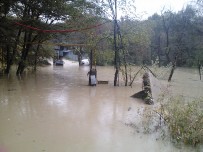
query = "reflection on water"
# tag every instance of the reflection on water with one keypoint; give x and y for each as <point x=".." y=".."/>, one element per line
<point x="55" y="111"/>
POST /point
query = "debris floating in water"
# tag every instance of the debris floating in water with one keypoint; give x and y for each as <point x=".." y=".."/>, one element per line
<point x="146" y="93"/>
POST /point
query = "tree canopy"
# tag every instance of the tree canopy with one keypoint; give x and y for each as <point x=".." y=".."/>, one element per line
<point x="164" y="37"/>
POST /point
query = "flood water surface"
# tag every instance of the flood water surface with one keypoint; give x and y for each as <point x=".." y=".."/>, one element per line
<point x="56" y="111"/>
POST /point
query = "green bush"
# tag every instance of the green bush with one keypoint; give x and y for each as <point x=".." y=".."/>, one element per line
<point x="185" y="120"/>
<point x="105" y="58"/>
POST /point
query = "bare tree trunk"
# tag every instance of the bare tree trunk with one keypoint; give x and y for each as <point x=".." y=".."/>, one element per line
<point x="115" y="45"/>
<point x="13" y="55"/>
<point x="26" y="48"/>
<point x="199" y="67"/>
<point x="167" y="51"/>
<point x="90" y="67"/>
<point x="125" y="66"/>
<point x="92" y="72"/>
<point x="8" y="65"/>
<point x="79" y="59"/>
<point x="2" y="61"/>
<point x="166" y="30"/>
<point x="36" y="56"/>
<point x="116" y="32"/>
<point x="173" y="69"/>
<point x="171" y="74"/>
<point x="80" y="56"/>
<point x="116" y="54"/>
<point x="159" y="50"/>
<point x="126" y="75"/>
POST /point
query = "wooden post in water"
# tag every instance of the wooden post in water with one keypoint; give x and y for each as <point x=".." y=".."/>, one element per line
<point x="93" y="72"/>
<point x="199" y="67"/>
<point x="90" y="67"/>
<point x="173" y="69"/>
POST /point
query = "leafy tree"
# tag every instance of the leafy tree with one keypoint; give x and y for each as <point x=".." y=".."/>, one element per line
<point x="183" y="36"/>
<point x="41" y="14"/>
<point x="156" y="38"/>
<point x="136" y="39"/>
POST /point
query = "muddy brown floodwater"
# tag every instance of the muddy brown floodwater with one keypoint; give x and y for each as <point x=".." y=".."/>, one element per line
<point x="55" y="111"/>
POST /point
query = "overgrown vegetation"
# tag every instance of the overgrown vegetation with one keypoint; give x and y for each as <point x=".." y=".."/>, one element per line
<point x="174" y="119"/>
<point x="184" y="120"/>
<point x="104" y="58"/>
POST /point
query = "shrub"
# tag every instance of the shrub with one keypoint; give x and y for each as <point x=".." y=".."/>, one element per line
<point x="177" y="119"/>
<point x="185" y="120"/>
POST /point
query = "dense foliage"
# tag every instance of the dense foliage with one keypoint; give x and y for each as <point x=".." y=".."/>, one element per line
<point x="23" y="46"/>
<point x="185" y="121"/>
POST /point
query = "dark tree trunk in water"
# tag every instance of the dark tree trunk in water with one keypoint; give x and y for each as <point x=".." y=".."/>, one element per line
<point x="79" y="54"/>
<point x="113" y="7"/>
<point x="79" y="59"/>
<point x="90" y="68"/>
<point x="8" y="58"/>
<point x="171" y="74"/>
<point x="13" y="55"/>
<point x="199" y="67"/>
<point x="126" y="75"/>
<point x="167" y="47"/>
<point x="92" y="72"/>
<point x="116" y="77"/>
<point x="115" y="45"/>
<point x="36" y="56"/>
<point x="159" y="50"/>
<point x="2" y="59"/>
<point x="125" y="65"/>
<point x="172" y="70"/>
<point x="8" y="66"/>
<point x="116" y="54"/>
<point x="26" y="48"/>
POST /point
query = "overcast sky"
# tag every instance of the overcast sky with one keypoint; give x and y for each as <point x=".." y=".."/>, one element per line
<point x="149" y="7"/>
<point x="154" y="5"/>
